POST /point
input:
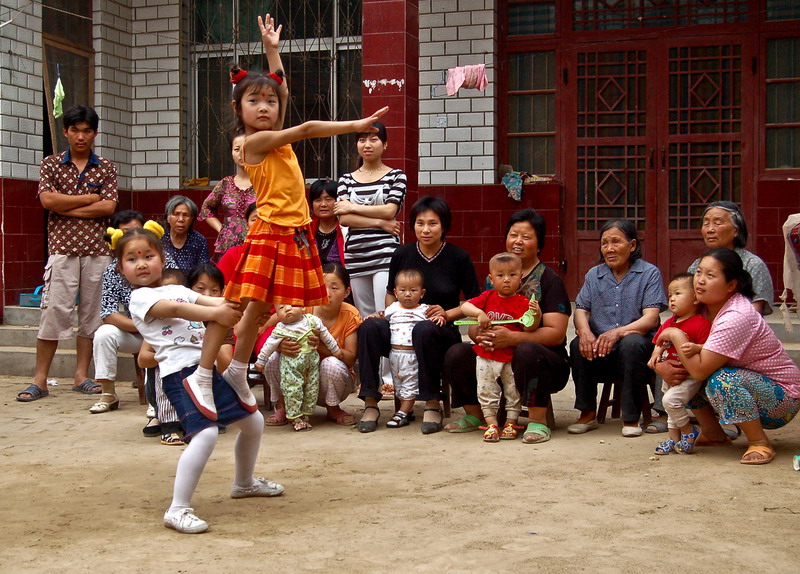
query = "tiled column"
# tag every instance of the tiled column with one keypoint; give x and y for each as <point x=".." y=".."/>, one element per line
<point x="390" y="74"/>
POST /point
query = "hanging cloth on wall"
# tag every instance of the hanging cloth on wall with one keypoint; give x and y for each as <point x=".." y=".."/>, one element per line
<point x="791" y="267"/>
<point x="472" y="77"/>
<point x="58" y="94"/>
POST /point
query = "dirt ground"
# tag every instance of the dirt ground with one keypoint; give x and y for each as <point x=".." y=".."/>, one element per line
<point x="82" y="492"/>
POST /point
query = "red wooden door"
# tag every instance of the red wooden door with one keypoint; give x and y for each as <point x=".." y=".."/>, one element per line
<point x="657" y="130"/>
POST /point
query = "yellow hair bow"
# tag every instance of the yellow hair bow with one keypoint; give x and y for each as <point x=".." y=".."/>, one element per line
<point x="154" y="228"/>
<point x="113" y="237"/>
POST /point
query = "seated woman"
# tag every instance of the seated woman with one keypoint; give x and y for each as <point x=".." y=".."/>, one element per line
<point x="724" y="226"/>
<point x="540" y="363"/>
<point x="617" y="314"/>
<point x="750" y="380"/>
<point x="448" y="273"/>
<point x="183" y="244"/>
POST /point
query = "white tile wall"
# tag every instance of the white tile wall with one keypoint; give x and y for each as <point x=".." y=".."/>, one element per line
<point x="456" y="33"/>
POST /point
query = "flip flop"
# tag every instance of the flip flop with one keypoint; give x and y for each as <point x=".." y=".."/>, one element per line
<point x="88" y="387"/>
<point x="767" y="452"/>
<point x="344" y="418"/>
<point x="277" y="419"/>
<point x="538" y="430"/>
<point x="467" y="423"/>
<point x="35" y="394"/>
<point x="655" y="427"/>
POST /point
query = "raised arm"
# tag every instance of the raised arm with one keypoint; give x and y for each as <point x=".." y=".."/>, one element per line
<point x="270" y="37"/>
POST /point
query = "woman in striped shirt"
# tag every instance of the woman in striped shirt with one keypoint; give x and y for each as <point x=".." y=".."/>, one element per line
<point x="368" y="201"/>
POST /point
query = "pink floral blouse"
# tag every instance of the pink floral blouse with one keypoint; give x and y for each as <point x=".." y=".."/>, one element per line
<point x="228" y="203"/>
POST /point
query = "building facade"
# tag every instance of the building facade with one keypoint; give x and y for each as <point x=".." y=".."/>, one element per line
<point x="642" y="109"/>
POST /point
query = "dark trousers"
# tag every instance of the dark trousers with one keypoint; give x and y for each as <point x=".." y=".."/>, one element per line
<point x="627" y="363"/>
<point x="539" y="372"/>
<point x="430" y="342"/>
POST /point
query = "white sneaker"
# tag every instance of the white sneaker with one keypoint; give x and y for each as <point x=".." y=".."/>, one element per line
<point x="202" y="396"/>
<point x="261" y="487"/>
<point x="242" y="389"/>
<point x="631" y="432"/>
<point x="185" y="521"/>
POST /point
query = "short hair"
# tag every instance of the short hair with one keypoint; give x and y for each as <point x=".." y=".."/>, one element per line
<point x="505" y="257"/>
<point x="682" y="276"/>
<point x="250" y="209"/>
<point x="173" y="275"/>
<point x="209" y="269"/>
<point x="174" y="202"/>
<point x="733" y="269"/>
<point x="435" y="204"/>
<point x="78" y="114"/>
<point x="737" y="218"/>
<point x="338" y="270"/>
<point x="323" y="185"/>
<point x="412" y="275"/>
<point x="535" y="219"/>
<point x="126" y="216"/>
<point x="628" y="229"/>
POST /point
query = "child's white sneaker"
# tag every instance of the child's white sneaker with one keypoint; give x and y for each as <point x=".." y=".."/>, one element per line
<point x="185" y="521"/>
<point x="202" y="396"/>
<point x="261" y="487"/>
<point x="242" y="389"/>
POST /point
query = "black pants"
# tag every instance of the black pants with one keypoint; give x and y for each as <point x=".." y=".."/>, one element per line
<point x="539" y="372"/>
<point x="430" y="344"/>
<point x="627" y="362"/>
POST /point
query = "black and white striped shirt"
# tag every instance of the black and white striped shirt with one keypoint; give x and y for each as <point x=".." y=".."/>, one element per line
<point x="369" y="250"/>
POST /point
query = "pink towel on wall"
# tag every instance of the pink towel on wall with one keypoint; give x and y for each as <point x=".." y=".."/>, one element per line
<point x="473" y="77"/>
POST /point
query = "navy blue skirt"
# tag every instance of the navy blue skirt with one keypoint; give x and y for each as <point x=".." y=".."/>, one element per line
<point x="192" y="420"/>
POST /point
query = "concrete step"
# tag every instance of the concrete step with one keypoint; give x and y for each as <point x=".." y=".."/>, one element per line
<point x="25" y="336"/>
<point x="21" y="362"/>
<point x="16" y="315"/>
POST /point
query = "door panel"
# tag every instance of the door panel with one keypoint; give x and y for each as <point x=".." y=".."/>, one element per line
<point x="658" y="134"/>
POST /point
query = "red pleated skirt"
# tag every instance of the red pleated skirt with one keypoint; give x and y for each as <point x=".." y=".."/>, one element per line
<point x="273" y="268"/>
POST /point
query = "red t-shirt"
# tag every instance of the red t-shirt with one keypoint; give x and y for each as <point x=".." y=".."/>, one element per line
<point x="696" y="328"/>
<point x="499" y="309"/>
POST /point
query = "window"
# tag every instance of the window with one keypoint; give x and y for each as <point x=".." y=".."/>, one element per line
<point x="783" y="103"/>
<point x="321" y="53"/>
<point x="531" y="112"/>
<point x="531" y="17"/>
<point x="632" y="14"/>
<point x="783" y="10"/>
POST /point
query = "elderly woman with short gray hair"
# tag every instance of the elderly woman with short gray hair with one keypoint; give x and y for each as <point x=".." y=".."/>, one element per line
<point x="186" y="246"/>
<point x="724" y="226"/>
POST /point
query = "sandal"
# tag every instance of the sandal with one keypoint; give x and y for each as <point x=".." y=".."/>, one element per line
<point x="301" y="425"/>
<point x="34" y="392"/>
<point x="508" y="433"/>
<point x="467" y="423"/>
<point x="172" y="439"/>
<point x="150" y="429"/>
<point x="665" y="447"/>
<point x="431" y="427"/>
<point x="88" y="387"/>
<point x="343" y="418"/>
<point x="656" y="426"/>
<point x="399" y="419"/>
<point x="686" y="444"/>
<point x="766" y="452"/>
<point x="105" y="406"/>
<point x="277" y="419"/>
<point x="369" y="426"/>
<point x="492" y="434"/>
<point x="536" y="433"/>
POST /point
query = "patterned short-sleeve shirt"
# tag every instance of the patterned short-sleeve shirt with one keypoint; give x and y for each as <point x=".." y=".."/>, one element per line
<point x="77" y="235"/>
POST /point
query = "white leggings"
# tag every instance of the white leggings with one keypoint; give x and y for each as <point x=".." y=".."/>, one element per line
<point x="194" y="458"/>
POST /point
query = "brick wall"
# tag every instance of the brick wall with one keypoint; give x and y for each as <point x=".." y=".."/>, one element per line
<point x="456" y="133"/>
<point x="20" y="90"/>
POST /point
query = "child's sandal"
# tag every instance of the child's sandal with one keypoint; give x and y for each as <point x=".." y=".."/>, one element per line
<point x="300" y="425"/>
<point x="399" y="419"/>
<point x="666" y="447"/>
<point x="686" y="444"/>
<point x="509" y="432"/>
<point x="492" y="434"/>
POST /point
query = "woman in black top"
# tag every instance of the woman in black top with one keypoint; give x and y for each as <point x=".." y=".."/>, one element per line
<point x="448" y="273"/>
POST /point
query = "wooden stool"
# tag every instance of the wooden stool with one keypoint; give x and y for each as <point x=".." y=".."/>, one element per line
<point x="610" y="397"/>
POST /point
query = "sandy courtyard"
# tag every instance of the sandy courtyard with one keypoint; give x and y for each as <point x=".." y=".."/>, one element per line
<point x="87" y="492"/>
